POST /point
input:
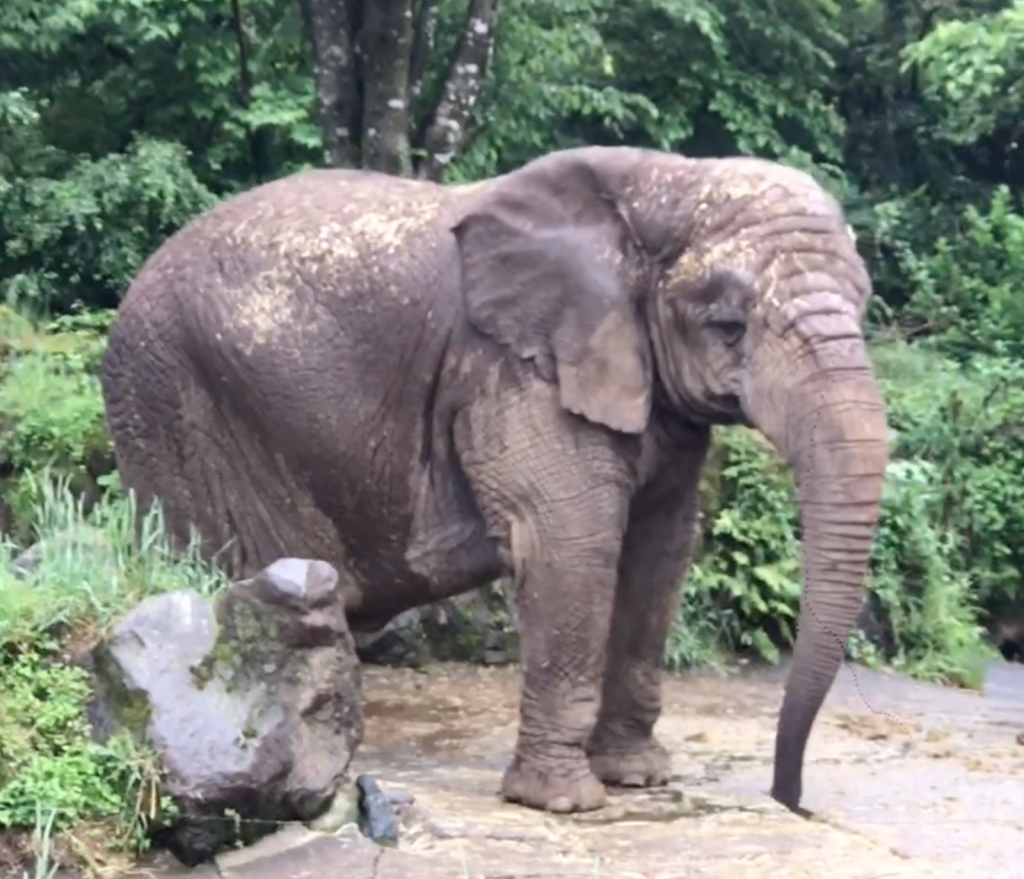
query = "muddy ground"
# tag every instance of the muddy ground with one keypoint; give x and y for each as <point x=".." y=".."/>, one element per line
<point x="905" y="779"/>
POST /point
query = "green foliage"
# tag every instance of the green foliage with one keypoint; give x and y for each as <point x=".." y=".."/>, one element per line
<point x="716" y="78"/>
<point x="744" y="589"/>
<point x="967" y="287"/>
<point x="971" y="69"/>
<point x="51" y="409"/>
<point x="929" y="611"/>
<point x="46" y="752"/>
<point x="49" y="763"/>
<point x="80" y="232"/>
<point x="120" y="121"/>
<point x="749" y="566"/>
<point x="119" y="557"/>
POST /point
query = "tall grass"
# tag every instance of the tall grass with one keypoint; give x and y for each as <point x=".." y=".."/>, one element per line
<point x="85" y="571"/>
<point x="92" y="568"/>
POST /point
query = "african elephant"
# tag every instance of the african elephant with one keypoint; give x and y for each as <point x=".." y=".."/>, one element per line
<point x="433" y="386"/>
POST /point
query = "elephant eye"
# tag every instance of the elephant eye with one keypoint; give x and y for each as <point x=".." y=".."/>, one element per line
<point x="729" y="330"/>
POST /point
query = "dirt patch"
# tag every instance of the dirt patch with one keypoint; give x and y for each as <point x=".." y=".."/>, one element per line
<point x="427" y="711"/>
<point x="875" y="727"/>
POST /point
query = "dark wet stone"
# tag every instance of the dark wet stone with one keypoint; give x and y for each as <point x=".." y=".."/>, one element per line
<point x="874" y="627"/>
<point x="1006" y="630"/>
<point x="251" y="703"/>
<point x="377" y="818"/>
<point x="477" y="627"/>
<point x="400" y="644"/>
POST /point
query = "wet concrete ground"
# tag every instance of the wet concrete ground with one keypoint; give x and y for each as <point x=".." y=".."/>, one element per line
<point x="905" y="779"/>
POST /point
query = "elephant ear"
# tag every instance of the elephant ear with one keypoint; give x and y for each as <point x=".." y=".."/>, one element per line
<point x="543" y="273"/>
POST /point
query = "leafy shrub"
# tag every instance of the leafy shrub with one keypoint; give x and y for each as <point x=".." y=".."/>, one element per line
<point x="47" y="756"/>
<point x="49" y="763"/>
<point x="749" y="568"/>
<point x="51" y="408"/>
<point x="966" y="288"/>
<point x="967" y="421"/>
<point x="743" y="590"/>
<point x="76" y="583"/>
<point x="80" y="231"/>
<point x="928" y="610"/>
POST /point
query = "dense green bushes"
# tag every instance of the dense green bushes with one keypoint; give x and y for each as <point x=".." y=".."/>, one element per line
<point x="940" y="565"/>
<point x="51" y="411"/>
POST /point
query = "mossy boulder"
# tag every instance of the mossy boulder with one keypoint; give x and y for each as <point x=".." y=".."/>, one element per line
<point x="251" y="703"/>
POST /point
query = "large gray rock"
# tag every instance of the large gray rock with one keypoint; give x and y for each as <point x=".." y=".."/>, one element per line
<point x="252" y="704"/>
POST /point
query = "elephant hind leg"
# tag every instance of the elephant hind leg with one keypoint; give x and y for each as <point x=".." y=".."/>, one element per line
<point x="212" y="476"/>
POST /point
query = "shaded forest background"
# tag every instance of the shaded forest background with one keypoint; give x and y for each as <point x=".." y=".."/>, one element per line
<point x="120" y="120"/>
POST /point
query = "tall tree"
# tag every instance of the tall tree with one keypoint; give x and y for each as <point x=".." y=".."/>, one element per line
<point x="371" y="59"/>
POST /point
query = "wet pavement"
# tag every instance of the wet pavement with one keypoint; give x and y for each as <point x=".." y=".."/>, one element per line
<point x="905" y="780"/>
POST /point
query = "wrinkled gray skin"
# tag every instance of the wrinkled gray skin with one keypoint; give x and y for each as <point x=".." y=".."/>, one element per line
<point x="430" y="386"/>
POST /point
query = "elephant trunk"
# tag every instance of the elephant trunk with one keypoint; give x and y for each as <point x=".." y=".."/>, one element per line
<point x="828" y="419"/>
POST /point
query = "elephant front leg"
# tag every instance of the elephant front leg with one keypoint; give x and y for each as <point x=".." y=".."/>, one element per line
<point x="555" y="492"/>
<point x="564" y="596"/>
<point x="655" y="559"/>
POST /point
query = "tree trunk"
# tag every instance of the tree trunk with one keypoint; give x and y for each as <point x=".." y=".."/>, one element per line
<point x="445" y="134"/>
<point x="425" y="32"/>
<point x="257" y="140"/>
<point x="385" y="47"/>
<point x="370" y="59"/>
<point x="329" y="30"/>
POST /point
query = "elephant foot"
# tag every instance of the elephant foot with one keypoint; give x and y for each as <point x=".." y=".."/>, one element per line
<point x="553" y="785"/>
<point x="637" y="763"/>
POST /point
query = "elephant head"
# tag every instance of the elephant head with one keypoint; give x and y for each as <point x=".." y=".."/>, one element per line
<point x="727" y="291"/>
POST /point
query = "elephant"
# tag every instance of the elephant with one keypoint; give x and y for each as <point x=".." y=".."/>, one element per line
<point x="435" y="386"/>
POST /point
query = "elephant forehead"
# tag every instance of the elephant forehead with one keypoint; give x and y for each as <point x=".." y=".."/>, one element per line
<point x="771" y="266"/>
<point x="764" y="183"/>
<point x="741" y="250"/>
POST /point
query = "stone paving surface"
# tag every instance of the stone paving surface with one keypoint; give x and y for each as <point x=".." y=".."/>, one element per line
<point x="905" y="780"/>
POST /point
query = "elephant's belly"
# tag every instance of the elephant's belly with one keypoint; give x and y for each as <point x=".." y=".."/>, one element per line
<point x="377" y="590"/>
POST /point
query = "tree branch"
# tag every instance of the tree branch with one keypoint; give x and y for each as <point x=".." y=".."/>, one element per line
<point x="256" y="140"/>
<point x="385" y="43"/>
<point x="446" y="132"/>
<point x="422" y="44"/>
<point x="329" y="32"/>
